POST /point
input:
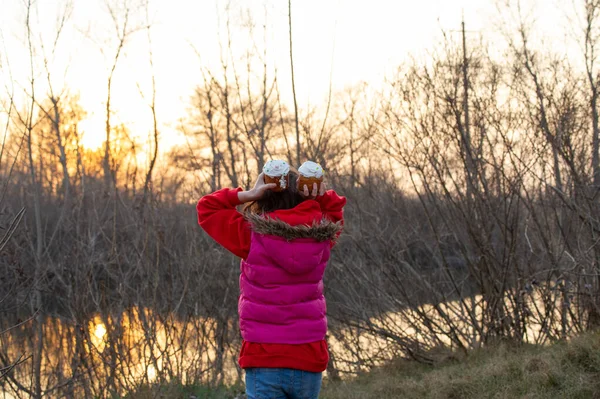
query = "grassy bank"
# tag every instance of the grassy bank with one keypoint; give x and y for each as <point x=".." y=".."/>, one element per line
<point x="563" y="370"/>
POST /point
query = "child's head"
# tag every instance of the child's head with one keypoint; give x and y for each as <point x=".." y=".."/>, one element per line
<point x="273" y="201"/>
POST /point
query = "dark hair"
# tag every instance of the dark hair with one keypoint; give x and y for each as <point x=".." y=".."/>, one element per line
<point x="273" y="201"/>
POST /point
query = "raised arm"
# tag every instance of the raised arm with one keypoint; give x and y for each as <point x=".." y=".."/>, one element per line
<point x="218" y="216"/>
<point x="332" y="205"/>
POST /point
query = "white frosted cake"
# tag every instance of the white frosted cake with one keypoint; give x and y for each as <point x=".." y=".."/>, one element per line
<point x="310" y="173"/>
<point x="277" y="171"/>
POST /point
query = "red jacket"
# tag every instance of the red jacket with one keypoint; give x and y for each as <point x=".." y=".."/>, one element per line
<point x="218" y="216"/>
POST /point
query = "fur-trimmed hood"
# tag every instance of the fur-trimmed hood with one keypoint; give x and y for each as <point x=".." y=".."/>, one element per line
<point x="324" y="230"/>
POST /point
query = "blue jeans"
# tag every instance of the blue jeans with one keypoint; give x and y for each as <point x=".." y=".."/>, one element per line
<point x="265" y="383"/>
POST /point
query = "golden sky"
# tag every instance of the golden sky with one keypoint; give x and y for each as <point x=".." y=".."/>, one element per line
<point x="356" y="40"/>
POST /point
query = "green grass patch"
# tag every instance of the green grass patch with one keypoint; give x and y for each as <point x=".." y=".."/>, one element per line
<point x="563" y="370"/>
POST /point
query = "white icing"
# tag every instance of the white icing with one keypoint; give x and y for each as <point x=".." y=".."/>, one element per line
<point x="276" y="168"/>
<point x="311" y="169"/>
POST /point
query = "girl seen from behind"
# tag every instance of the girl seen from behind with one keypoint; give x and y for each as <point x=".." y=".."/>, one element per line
<point x="283" y="236"/>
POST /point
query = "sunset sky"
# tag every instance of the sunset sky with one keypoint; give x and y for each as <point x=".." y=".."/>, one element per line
<point x="354" y="40"/>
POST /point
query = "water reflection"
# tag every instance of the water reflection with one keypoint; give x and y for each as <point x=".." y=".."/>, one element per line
<point x="98" y="336"/>
<point x="120" y="353"/>
<point x="151" y="373"/>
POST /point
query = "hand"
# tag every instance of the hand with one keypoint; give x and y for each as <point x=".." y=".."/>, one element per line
<point x="258" y="191"/>
<point x="312" y="195"/>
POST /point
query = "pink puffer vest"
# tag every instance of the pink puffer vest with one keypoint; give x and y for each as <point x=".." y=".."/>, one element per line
<point x="281" y="282"/>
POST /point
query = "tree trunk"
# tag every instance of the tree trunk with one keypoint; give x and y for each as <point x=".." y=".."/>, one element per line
<point x="294" y="86"/>
<point x="595" y="140"/>
<point x="108" y="127"/>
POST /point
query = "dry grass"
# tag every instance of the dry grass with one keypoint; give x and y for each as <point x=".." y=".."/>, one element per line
<point x="564" y="370"/>
<point x="178" y="391"/>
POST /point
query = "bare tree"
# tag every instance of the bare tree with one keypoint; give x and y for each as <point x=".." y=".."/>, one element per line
<point x="7" y="367"/>
<point x="294" y="84"/>
<point x="123" y="30"/>
<point x="152" y="106"/>
<point x="36" y="303"/>
<point x="592" y="7"/>
<point x="256" y="115"/>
